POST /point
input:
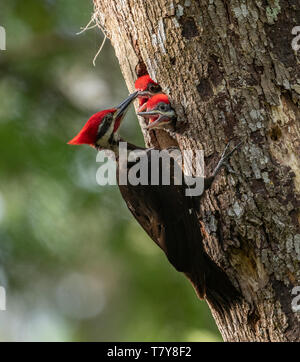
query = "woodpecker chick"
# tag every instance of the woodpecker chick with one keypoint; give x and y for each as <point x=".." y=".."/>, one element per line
<point x="100" y="131"/>
<point x="146" y="88"/>
<point x="160" y="113"/>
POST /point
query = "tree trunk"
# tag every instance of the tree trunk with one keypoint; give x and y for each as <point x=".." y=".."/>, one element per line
<point x="230" y="70"/>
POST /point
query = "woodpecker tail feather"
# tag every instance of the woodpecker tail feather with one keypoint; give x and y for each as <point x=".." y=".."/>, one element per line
<point x="212" y="283"/>
<point x="219" y="289"/>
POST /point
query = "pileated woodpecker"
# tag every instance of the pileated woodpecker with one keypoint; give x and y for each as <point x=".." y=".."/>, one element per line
<point x="146" y="88"/>
<point x="100" y="131"/>
<point x="159" y="111"/>
<point x="164" y="211"/>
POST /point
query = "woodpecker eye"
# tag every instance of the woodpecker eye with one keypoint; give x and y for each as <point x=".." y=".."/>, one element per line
<point x="154" y="88"/>
<point x="108" y="117"/>
<point x="163" y="107"/>
<point x="104" y="125"/>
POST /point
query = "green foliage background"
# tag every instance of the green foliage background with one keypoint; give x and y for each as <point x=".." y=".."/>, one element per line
<point x="75" y="264"/>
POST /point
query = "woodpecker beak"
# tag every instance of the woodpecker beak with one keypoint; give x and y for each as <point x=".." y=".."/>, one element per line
<point x="147" y="94"/>
<point x="164" y="118"/>
<point x="142" y="108"/>
<point x="122" y="108"/>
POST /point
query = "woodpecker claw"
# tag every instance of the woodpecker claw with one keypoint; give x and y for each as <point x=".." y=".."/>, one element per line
<point x="229" y="168"/>
<point x="225" y="157"/>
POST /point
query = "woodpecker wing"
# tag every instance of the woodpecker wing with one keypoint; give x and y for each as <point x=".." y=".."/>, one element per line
<point x="168" y="217"/>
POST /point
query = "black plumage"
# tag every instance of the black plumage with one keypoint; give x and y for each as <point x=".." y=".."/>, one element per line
<point x="169" y="217"/>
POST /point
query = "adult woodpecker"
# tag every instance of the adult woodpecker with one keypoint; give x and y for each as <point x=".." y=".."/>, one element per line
<point x="159" y="111"/>
<point x="170" y="218"/>
<point x="146" y="88"/>
<point x="101" y="130"/>
<point x="164" y="211"/>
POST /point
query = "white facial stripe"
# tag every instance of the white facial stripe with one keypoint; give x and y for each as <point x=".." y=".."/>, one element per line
<point x="105" y="131"/>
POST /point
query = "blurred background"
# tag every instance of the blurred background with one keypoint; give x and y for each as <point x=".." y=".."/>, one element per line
<point x="75" y="264"/>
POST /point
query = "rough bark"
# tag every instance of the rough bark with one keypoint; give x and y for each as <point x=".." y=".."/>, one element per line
<point x="230" y="71"/>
